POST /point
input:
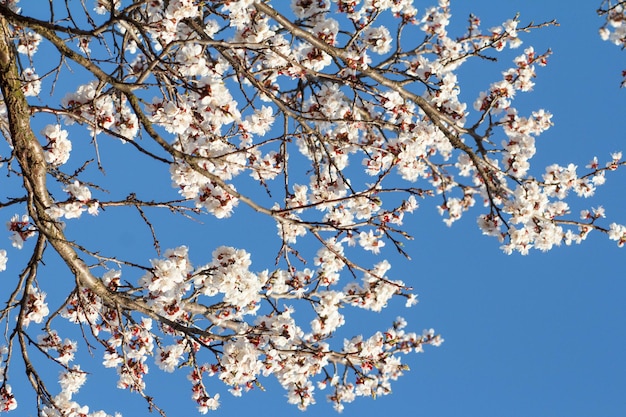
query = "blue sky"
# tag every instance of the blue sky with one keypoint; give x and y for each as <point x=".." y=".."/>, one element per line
<point x="539" y="335"/>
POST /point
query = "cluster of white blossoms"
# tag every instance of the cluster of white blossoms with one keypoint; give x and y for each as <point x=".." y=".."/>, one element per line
<point x="274" y="344"/>
<point x="31" y="83"/>
<point x="62" y="404"/>
<point x="7" y="399"/>
<point x="229" y="275"/>
<point x="168" y="281"/>
<point x="83" y="306"/>
<point x="28" y="43"/>
<point x="58" y="147"/>
<point x="71" y="379"/>
<point x="78" y="202"/>
<point x="36" y="308"/>
<point x="100" y="111"/>
<point x="3" y="259"/>
<point x="64" y="349"/>
<point x="342" y="123"/>
<point x="22" y="229"/>
<point x="614" y="28"/>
